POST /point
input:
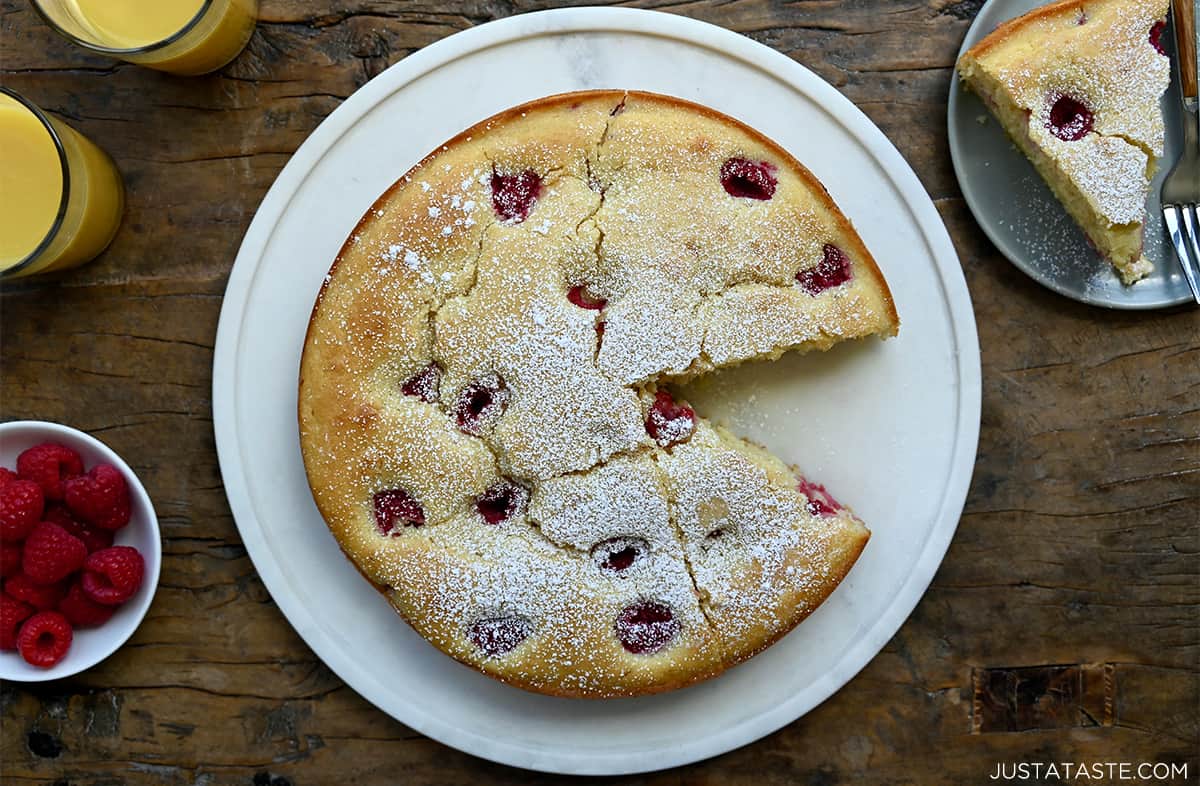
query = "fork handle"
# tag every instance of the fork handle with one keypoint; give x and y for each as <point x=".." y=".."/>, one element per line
<point x="1184" y="12"/>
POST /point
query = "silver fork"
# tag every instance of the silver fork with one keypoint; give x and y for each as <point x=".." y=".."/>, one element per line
<point x="1181" y="189"/>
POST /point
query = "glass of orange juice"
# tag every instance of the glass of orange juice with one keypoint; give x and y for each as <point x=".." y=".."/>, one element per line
<point x="179" y="36"/>
<point x="61" y="197"/>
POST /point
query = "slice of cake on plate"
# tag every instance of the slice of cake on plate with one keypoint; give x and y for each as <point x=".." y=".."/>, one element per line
<point x="1076" y="84"/>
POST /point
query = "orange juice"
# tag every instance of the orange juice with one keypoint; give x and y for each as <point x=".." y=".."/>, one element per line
<point x="61" y="197"/>
<point x="179" y="36"/>
<point x="129" y="24"/>
<point x="31" y="182"/>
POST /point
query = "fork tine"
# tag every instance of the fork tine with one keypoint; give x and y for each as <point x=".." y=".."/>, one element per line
<point x="1178" y="222"/>
<point x="1192" y="225"/>
<point x="1192" y="232"/>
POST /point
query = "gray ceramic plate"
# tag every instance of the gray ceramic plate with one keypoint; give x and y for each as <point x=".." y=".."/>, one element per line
<point x="1017" y="211"/>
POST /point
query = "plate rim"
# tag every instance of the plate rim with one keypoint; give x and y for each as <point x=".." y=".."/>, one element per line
<point x="973" y="35"/>
<point x="926" y="219"/>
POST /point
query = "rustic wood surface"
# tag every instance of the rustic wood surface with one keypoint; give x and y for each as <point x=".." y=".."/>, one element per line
<point x="1063" y="625"/>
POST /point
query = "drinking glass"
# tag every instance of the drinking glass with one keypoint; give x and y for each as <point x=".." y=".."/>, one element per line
<point x="61" y="196"/>
<point x="184" y="37"/>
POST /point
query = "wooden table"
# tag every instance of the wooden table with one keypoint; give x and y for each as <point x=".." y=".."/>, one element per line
<point x="1062" y="627"/>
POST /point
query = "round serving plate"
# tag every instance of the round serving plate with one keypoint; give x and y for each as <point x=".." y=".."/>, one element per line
<point x="1017" y="211"/>
<point x="890" y="427"/>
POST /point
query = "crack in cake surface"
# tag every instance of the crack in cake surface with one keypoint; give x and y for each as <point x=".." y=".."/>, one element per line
<point x="675" y="636"/>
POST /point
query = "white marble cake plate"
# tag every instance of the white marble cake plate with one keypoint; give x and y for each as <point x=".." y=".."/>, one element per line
<point x="890" y="427"/>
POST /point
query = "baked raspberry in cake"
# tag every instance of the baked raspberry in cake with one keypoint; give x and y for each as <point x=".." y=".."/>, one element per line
<point x="1076" y="84"/>
<point x="486" y="411"/>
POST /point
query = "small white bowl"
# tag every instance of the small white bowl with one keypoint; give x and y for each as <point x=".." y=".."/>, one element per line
<point x="89" y="645"/>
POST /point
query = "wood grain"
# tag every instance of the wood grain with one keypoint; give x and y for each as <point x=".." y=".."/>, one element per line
<point x="1070" y="591"/>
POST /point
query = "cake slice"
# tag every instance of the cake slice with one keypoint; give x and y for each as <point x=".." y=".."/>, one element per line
<point x="719" y="247"/>
<point x="1076" y="84"/>
<point x="765" y="546"/>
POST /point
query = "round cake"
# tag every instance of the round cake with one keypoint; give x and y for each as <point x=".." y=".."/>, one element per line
<point x="487" y="408"/>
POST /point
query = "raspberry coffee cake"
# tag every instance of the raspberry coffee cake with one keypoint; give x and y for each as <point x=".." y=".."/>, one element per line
<point x="1076" y="85"/>
<point x="485" y="414"/>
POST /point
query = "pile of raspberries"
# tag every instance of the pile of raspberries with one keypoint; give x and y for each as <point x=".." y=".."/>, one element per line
<point x="60" y="568"/>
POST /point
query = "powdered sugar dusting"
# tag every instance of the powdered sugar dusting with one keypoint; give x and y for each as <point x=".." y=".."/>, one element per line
<point x="450" y="365"/>
<point x="466" y="573"/>
<point x="623" y="497"/>
<point x="676" y="245"/>
<point x="747" y="536"/>
<point x="1110" y="172"/>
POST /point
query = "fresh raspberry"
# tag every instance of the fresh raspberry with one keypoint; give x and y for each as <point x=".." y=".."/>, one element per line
<point x="617" y="554"/>
<point x="499" y="635"/>
<point x="580" y="296"/>
<point x="669" y="422"/>
<point x="52" y="554"/>
<point x="620" y="560"/>
<point x="481" y="403"/>
<point x="100" y="498"/>
<point x="502" y="501"/>
<point x="21" y="506"/>
<point x="744" y="178"/>
<point x="60" y="514"/>
<point x="12" y="613"/>
<point x="6" y="476"/>
<point x="425" y="384"/>
<point x="10" y="559"/>
<point x="48" y="465"/>
<point x="396" y="509"/>
<point x="1156" y="31"/>
<point x="833" y="270"/>
<point x="93" y="537"/>
<point x="513" y="195"/>
<point x="820" y="501"/>
<point x="40" y="596"/>
<point x="112" y="575"/>
<point x="646" y="627"/>
<point x="81" y="611"/>
<point x="1070" y="119"/>
<point x="44" y="639"/>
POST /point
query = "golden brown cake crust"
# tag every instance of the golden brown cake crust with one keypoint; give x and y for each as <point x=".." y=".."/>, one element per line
<point x="1005" y="30"/>
<point x="608" y="95"/>
<point x="434" y="296"/>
